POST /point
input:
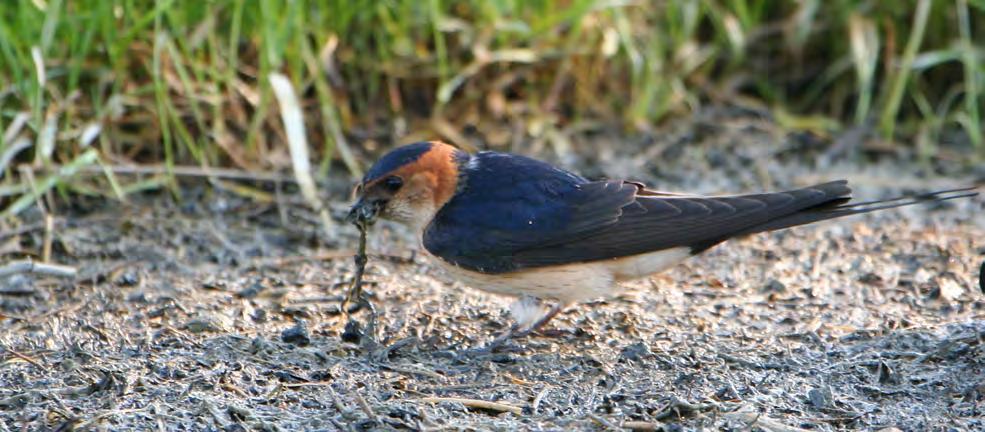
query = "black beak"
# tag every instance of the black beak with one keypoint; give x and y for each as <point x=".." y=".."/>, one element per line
<point x="364" y="211"/>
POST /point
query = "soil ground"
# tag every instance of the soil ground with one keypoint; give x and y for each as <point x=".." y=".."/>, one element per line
<point x="222" y="313"/>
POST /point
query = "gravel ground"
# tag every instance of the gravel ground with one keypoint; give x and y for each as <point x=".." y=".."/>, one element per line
<point x="223" y="314"/>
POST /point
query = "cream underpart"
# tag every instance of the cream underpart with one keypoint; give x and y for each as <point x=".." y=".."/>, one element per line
<point x="571" y="283"/>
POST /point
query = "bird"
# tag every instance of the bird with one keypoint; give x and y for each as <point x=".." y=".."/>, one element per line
<point x="549" y="238"/>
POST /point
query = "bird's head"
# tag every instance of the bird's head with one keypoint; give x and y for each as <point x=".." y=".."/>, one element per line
<point x="409" y="184"/>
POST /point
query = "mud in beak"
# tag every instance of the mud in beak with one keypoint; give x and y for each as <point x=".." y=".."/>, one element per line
<point x="365" y="211"/>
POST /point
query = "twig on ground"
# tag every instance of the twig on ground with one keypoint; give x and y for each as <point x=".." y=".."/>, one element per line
<point x="637" y="425"/>
<point x="381" y="354"/>
<point x="307" y="384"/>
<point x="336" y="401"/>
<point x="28" y="266"/>
<point x="609" y="425"/>
<point x="233" y="389"/>
<point x="476" y="403"/>
<point x="678" y="406"/>
<point x="540" y="397"/>
<point x="158" y="418"/>
<point x="24" y="357"/>
<point x="368" y="410"/>
<point x="754" y="418"/>
<point x="751" y="364"/>
<point x="316" y="300"/>
<point x="413" y="371"/>
<point x="97" y="418"/>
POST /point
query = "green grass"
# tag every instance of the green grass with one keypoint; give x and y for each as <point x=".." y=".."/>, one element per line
<point x="175" y="82"/>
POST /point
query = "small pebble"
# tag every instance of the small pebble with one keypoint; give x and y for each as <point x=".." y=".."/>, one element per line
<point x="365" y="425"/>
<point x="820" y="398"/>
<point x="204" y="323"/>
<point x="774" y="286"/>
<point x="251" y="291"/>
<point x="138" y="297"/>
<point x="352" y="332"/>
<point x="128" y="278"/>
<point x="288" y="377"/>
<point x="310" y="404"/>
<point x="239" y="413"/>
<point x="297" y="335"/>
<point x="887" y="375"/>
<point x="259" y="316"/>
<point x="635" y="352"/>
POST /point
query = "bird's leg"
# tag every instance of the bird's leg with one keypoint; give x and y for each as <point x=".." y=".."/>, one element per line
<point x="536" y="325"/>
<point x="518" y="330"/>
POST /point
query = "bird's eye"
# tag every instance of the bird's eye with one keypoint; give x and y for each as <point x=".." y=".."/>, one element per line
<point x="393" y="183"/>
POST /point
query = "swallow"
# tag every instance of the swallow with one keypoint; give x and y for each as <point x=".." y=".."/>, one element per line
<point x="519" y="227"/>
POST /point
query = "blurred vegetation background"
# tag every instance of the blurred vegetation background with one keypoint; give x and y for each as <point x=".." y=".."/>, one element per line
<point x="125" y="95"/>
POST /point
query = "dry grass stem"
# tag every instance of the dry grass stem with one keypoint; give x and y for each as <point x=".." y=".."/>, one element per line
<point x="28" y="266"/>
<point x="759" y="420"/>
<point x="476" y="403"/>
<point x="297" y="143"/>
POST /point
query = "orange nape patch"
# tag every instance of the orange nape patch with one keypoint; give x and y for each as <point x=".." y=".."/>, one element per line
<point x="438" y="169"/>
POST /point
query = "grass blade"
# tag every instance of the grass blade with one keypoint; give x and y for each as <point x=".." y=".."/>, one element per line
<point x="887" y="121"/>
<point x="293" y="118"/>
<point x="64" y="173"/>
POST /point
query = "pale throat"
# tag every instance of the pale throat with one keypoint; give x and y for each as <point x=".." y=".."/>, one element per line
<point x="419" y="217"/>
<point x="424" y="207"/>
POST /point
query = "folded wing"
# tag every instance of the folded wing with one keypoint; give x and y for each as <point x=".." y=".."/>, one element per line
<point x="654" y="223"/>
<point x="613" y="219"/>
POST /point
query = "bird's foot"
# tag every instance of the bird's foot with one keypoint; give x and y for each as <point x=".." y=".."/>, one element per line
<point x="502" y="344"/>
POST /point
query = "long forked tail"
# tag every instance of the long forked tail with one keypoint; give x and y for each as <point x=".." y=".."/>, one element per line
<point x="842" y="207"/>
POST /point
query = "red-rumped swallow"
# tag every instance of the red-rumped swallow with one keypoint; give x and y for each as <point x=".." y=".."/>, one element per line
<point x="519" y="227"/>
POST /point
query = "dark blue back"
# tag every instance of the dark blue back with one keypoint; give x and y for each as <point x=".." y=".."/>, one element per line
<point x="508" y="203"/>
